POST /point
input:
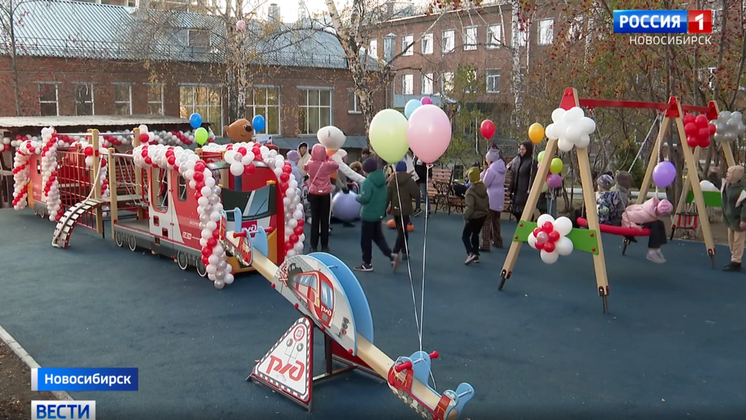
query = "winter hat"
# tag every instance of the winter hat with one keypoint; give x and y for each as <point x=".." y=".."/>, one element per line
<point x="474" y="175"/>
<point x="734" y="174"/>
<point x="370" y="165"/>
<point x="604" y="181"/>
<point x="664" y="208"/>
<point x="401" y="166"/>
<point x="493" y="155"/>
<point x="293" y="156"/>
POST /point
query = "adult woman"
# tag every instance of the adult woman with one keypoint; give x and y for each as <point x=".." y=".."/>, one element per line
<point x="494" y="179"/>
<point x="524" y="171"/>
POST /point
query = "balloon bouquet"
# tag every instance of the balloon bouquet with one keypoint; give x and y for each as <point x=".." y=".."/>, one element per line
<point x="728" y="126"/>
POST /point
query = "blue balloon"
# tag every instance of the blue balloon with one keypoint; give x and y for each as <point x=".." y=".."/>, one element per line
<point x="258" y="123"/>
<point x="411" y="106"/>
<point x="195" y="120"/>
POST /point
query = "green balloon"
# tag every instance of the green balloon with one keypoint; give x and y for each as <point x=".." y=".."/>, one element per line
<point x="201" y="136"/>
<point x="388" y="135"/>
<point x="540" y="157"/>
<point x="556" y="166"/>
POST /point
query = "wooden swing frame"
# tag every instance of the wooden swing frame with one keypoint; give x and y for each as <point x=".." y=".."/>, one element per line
<point x="674" y="111"/>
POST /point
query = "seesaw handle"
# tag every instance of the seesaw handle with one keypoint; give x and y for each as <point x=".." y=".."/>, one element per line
<point x="240" y="234"/>
<point x="434" y="354"/>
<point x="403" y="366"/>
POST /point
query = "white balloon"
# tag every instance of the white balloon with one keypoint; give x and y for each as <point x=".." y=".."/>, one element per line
<point x="557" y="115"/>
<point x="286" y="201"/>
<point x="543" y="219"/>
<point x="209" y="182"/>
<point x="550" y="132"/>
<point x="532" y="240"/>
<point x="298" y="247"/>
<point x="230" y="156"/>
<point x="215" y="216"/>
<point x="206" y="191"/>
<point x="563" y="225"/>
<point x="564" y="145"/>
<point x="298" y="214"/>
<point x="293" y="184"/>
<point x="247" y="159"/>
<point x="278" y="171"/>
<point x="301" y="237"/>
<point x="228" y="278"/>
<point x="736" y="115"/>
<point x="291" y="253"/>
<point x="564" y="246"/>
<point x="573" y="133"/>
<point x="236" y="168"/>
<point x="219" y="284"/>
<point x="587" y="125"/>
<point x="279" y="163"/>
<point x="573" y="115"/>
<point x="292" y="223"/>
<point x="549" y="257"/>
<point x="583" y="142"/>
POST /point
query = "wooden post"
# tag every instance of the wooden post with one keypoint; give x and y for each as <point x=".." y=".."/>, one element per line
<point x="138" y="175"/>
<point x="653" y="160"/>
<point x="685" y="190"/>
<point x="96" y="176"/>
<point x="728" y="152"/>
<point x="529" y="208"/>
<point x="113" y="210"/>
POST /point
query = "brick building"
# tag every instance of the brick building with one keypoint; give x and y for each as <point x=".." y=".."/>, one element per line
<point x="77" y="58"/>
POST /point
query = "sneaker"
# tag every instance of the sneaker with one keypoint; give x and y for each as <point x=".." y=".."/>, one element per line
<point x="364" y="267"/>
<point x="395" y="261"/>
<point x="475" y="260"/>
<point x="484" y="250"/>
<point x="655" y="257"/>
<point x="417" y="212"/>
<point x="470" y="259"/>
<point x="325" y="249"/>
<point x="733" y="266"/>
<point x="660" y="254"/>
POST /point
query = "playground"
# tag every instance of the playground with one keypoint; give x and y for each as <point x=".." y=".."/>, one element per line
<point x="670" y="345"/>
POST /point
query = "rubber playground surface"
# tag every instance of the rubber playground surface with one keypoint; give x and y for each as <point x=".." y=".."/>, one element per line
<point x="671" y="347"/>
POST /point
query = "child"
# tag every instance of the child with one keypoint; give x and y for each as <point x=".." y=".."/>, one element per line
<point x="293" y="157"/>
<point x="733" y="194"/>
<point x="373" y="199"/>
<point x="646" y="215"/>
<point x="475" y="213"/>
<point x="623" y="187"/>
<point x="608" y="203"/>
<point x="494" y="179"/>
<point x="402" y="190"/>
<point x="320" y="169"/>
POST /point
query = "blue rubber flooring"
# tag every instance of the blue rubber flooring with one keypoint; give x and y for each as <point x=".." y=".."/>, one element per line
<point x="671" y="347"/>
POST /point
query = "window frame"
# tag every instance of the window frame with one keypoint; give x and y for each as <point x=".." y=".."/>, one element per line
<point x="373" y="47"/>
<point x="471" y="46"/>
<point x="540" y="32"/>
<point x="407" y="45"/>
<point x="93" y="97"/>
<point x="208" y="105"/>
<point x="161" y="102"/>
<point x="443" y="81"/>
<point x="128" y="102"/>
<point x="266" y="105"/>
<point x="355" y="103"/>
<point x="392" y="40"/>
<point x="404" y="79"/>
<point x="487" y="78"/>
<point x="423" y="77"/>
<point x="443" y="44"/>
<point x="305" y="130"/>
<point x="490" y="31"/>
<point x="427" y="37"/>
<point x="56" y="97"/>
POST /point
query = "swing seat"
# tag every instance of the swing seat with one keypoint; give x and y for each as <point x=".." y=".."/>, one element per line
<point x="627" y="232"/>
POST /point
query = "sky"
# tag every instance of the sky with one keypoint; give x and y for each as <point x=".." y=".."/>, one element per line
<point x="289" y="8"/>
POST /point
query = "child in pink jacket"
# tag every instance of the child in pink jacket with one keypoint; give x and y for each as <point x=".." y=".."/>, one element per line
<point x="646" y="215"/>
<point x="320" y="169"/>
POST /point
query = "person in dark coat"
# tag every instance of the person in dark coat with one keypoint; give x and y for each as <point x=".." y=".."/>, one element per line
<point x="402" y="190"/>
<point x="524" y="172"/>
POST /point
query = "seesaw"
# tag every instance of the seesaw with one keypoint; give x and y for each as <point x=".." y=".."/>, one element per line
<point x="332" y="300"/>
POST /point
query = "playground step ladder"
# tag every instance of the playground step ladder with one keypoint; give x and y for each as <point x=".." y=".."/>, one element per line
<point x="64" y="228"/>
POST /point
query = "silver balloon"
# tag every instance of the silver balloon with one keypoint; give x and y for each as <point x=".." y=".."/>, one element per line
<point x="219" y="284"/>
<point x="725" y="115"/>
<point x="741" y="129"/>
<point x="730" y="136"/>
<point x="737" y="115"/>
<point x="718" y="136"/>
<point x="733" y="124"/>
<point x="719" y="125"/>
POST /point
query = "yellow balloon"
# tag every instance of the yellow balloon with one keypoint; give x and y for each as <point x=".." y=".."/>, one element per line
<point x="536" y="133"/>
<point x="388" y="135"/>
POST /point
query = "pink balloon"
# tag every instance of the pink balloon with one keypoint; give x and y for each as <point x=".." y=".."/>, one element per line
<point x="429" y="133"/>
<point x="426" y="101"/>
<point x="542" y="237"/>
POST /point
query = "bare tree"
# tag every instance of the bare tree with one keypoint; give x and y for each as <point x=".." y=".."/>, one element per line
<point x="12" y="15"/>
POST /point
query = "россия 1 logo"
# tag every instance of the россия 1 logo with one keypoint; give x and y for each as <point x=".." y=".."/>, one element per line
<point x="692" y="22"/>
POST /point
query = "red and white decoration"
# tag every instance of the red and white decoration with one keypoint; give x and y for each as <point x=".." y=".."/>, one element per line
<point x="107" y="139"/>
<point x="698" y="130"/>
<point x="50" y="189"/>
<point x="550" y="237"/>
<point x="24" y="151"/>
<point x="241" y="157"/>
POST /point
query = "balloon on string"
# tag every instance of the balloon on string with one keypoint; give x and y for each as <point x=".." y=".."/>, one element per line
<point x="411" y="105"/>
<point x="540" y="156"/>
<point x="536" y="133"/>
<point x="556" y="166"/>
<point x="241" y="25"/>
<point x="201" y="135"/>
<point x="426" y="101"/>
<point x="345" y="207"/>
<point x="487" y="128"/>
<point x="195" y="120"/>
<point x="429" y="133"/>
<point x="554" y="181"/>
<point x="258" y="123"/>
<point x="664" y="174"/>
<point x="389" y="133"/>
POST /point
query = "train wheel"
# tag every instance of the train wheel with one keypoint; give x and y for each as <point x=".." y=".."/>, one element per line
<point x="182" y="261"/>
<point x="132" y="243"/>
<point x="201" y="269"/>
<point x="119" y="239"/>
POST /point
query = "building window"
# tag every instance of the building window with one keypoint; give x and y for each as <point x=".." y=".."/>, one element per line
<point x="204" y="100"/>
<point x="447" y="41"/>
<point x="407" y="84"/>
<point x="494" y="36"/>
<point x="49" y="99"/>
<point x="427" y="44"/>
<point x="446" y="83"/>
<point x="546" y="32"/>
<point x="155" y="99"/>
<point x="84" y="99"/>
<point x="470" y="38"/>
<point x="470" y="80"/>
<point x="521" y="39"/>
<point x="199" y="38"/>
<point x="354" y="103"/>
<point x="407" y="44"/>
<point x="265" y="101"/>
<point x="388" y="48"/>
<point x="427" y="84"/>
<point x="123" y="99"/>
<point x="373" y="48"/>
<point x="493" y="80"/>
<point x="315" y="106"/>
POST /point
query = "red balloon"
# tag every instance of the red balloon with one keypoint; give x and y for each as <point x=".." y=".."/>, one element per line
<point x="284" y="177"/>
<point x="701" y="121"/>
<point x="287" y="170"/>
<point x="283" y="186"/>
<point x="301" y="222"/>
<point x="540" y="246"/>
<point x="547" y="227"/>
<point x="199" y="166"/>
<point x="704" y="133"/>
<point x="205" y="260"/>
<point x="242" y="151"/>
<point x="289" y="245"/>
<point x="691" y="129"/>
<point x="293" y="238"/>
<point x="216" y="233"/>
<point x="298" y="230"/>
<point x="199" y="176"/>
<point x="553" y="236"/>
<point x="704" y="142"/>
<point x="172" y="161"/>
<point x="692" y="141"/>
<point x="689" y="118"/>
<point x="249" y="169"/>
<point x="144" y="138"/>
<point x="148" y="160"/>
<point x="711" y="126"/>
<point x="549" y="246"/>
<point x="537" y="231"/>
<point x="88" y="151"/>
<point x="487" y="128"/>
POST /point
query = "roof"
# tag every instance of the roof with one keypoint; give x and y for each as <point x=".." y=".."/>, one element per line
<point x="91" y="121"/>
<point x="70" y="29"/>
